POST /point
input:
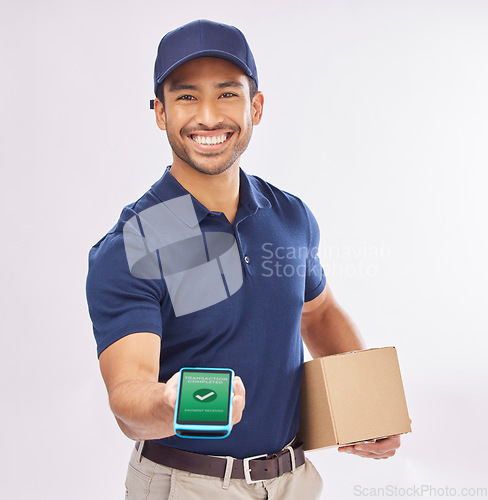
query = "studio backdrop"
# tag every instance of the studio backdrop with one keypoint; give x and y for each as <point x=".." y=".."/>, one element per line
<point x="375" y="115"/>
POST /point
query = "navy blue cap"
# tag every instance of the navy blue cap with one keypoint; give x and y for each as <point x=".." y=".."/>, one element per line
<point x="203" y="38"/>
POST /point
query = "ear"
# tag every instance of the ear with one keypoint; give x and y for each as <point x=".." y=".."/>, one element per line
<point x="160" y="114"/>
<point x="257" y="107"/>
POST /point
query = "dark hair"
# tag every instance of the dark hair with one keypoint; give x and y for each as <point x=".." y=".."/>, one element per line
<point x="253" y="88"/>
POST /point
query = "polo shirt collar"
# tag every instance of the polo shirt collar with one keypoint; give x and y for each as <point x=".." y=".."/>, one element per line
<point x="250" y="197"/>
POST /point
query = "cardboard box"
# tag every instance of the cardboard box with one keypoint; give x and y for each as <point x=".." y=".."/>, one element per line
<point x="352" y="397"/>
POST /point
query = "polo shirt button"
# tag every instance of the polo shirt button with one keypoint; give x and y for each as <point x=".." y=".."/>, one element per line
<point x="247" y="259"/>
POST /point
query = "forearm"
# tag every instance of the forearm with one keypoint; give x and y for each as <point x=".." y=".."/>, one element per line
<point x="142" y="409"/>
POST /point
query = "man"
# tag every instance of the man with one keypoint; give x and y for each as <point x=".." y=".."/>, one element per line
<point x="158" y="306"/>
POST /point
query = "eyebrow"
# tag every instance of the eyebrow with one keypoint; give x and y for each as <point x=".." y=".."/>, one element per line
<point x="184" y="86"/>
<point x="229" y="84"/>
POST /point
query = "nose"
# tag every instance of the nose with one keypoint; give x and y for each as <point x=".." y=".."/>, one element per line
<point x="208" y="113"/>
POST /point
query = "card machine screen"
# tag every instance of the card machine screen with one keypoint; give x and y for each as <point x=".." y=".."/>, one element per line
<point x="204" y="397"/>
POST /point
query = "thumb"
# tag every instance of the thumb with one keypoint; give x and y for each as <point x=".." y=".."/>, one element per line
<point x="171" y="390"/>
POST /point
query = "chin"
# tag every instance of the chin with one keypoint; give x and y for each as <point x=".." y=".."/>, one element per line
<point x="210" y="169"/>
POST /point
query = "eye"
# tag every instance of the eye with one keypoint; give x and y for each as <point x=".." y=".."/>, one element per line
<point x="228" y="94"/>
<point x="185" y="97"/>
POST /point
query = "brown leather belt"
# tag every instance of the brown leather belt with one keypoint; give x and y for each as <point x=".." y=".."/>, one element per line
<point x="252" y="469"/>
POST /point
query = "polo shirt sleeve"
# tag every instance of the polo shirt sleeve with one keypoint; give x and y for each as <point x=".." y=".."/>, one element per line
<point x="119" y="303"/>
<point x="315" y="275"/>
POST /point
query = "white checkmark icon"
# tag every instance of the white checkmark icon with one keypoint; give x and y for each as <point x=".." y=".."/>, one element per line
<point x="201" y="398"/>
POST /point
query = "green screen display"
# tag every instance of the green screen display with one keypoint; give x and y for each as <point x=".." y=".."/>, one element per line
<point x="204" y="397"/>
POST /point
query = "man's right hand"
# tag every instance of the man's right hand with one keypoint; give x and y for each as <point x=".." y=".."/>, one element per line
<point x="144" y="407"/>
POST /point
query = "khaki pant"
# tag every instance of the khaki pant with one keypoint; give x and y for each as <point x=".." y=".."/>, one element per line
<point x="150" y="481"/>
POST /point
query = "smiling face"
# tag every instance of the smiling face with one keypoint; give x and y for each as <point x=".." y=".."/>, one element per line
<point x="208" y="114"/>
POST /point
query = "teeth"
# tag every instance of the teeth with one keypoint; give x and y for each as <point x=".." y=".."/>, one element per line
<point x="216" y="139"/>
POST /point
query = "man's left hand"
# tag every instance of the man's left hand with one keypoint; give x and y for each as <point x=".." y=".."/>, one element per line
<point x="384" y="448"/>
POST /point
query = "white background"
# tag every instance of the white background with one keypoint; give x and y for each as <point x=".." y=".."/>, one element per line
<point x="375" y="114"/>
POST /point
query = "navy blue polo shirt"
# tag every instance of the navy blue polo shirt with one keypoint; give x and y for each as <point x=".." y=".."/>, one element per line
<point x="255" y="330"/>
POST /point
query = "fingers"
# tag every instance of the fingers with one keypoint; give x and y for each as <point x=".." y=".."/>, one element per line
<point x="384" y="448"/>
<point x="364" y="454"/>
<point x="238" y="400"/>
<point x="380" y="447"/>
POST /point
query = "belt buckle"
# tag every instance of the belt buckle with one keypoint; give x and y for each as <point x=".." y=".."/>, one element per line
<point x="247" y="470"/>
